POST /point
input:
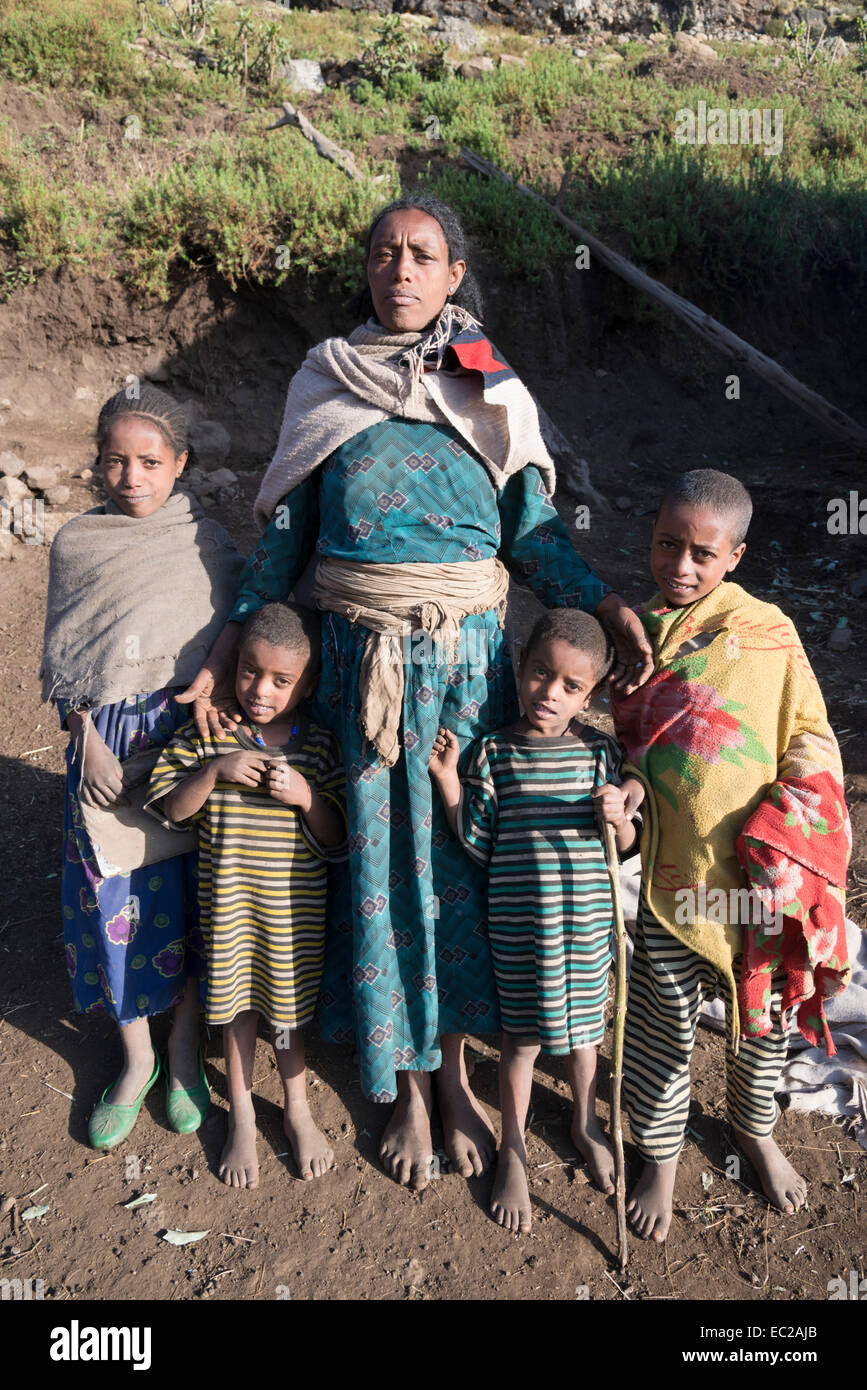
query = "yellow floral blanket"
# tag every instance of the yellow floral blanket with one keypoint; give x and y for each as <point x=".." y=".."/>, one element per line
<point x="733" y="706"/>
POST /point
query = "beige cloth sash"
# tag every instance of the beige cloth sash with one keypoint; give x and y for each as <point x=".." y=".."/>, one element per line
<point x="393" y="601"/>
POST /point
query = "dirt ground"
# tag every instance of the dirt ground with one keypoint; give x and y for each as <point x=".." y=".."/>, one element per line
<point x="640" y="402"/>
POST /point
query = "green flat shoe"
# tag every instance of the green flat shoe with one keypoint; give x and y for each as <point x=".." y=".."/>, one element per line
<point x="185" y="1110"/>
<point x="110" y="1124"/>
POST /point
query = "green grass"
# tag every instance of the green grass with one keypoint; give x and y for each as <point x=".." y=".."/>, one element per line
<point x="719" y="223"/>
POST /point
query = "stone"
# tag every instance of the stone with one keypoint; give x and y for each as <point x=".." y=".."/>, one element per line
<point x="623" y="503"/>
<point x="11" y="466"/>
<point x="302" y="75"/>
<point x="58" y="495"/>
<point x="474" y="68"/>
<point x="85" y="474"/>
<point x="840" y="639"/>
<point x="211" y="442"/>
<point x="155" y="367"/>
<point x="41" y="475"/>
<point x="13" y="490"/>
<point x="222" y="477"/>
<point x="691" y="47"/>
<point x="509" y="60"/>
<point x="608" y="58"/>
<point x="7" y="546"/>
<point x="457" y="33"/>
<point x="858" y="585"/>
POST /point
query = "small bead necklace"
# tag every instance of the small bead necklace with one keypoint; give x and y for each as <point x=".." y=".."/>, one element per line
<point x="257" y="734"/>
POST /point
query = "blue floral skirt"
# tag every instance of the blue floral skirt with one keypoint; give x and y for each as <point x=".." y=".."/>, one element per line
<point x="131" y="940"/>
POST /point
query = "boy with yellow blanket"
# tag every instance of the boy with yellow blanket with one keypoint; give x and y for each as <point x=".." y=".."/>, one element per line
<point x="745" y="854"/>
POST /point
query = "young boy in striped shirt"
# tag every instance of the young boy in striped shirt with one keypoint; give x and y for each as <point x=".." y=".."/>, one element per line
<point x="268" y="800"/>
<point x="528" y="808"/>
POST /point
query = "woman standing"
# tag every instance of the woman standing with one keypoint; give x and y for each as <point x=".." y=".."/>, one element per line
<point x="411" y="466"/>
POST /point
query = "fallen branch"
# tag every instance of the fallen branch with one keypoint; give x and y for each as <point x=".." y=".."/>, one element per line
<point x="321" y="143"/>
<point x="713" y="332"/>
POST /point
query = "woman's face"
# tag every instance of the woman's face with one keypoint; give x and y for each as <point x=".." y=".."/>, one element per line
<point x="408" y="270"/>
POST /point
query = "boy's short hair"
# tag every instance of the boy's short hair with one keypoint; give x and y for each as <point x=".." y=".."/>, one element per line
<point x="285" y="625"/>
<point x="581" y="630"/>
<point x="719" y="492"/>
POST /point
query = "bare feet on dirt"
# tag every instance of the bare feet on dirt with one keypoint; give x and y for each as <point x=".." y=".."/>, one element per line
<point x="594" y="1148"/>
<point x="311" y="1150"/>
<point x="510" y="1199"/>
<point x="468" y="1134"/>
<point x="650" y="1207"/>
<point x="406" y="1149"/>
<point x="239" y="1165"/>
<point x="781" y="1183"/>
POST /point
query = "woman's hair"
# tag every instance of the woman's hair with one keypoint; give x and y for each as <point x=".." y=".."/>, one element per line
<point x="466" y="296"/>
<point x="581" y="630"/>
<point x="285" y="625"/>
<point x="155" y="406"/>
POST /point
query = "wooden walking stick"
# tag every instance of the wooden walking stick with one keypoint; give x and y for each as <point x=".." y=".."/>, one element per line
<point x="613" y="862"/>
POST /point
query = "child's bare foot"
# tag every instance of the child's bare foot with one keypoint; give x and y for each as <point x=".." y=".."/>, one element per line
<point x="407" y="1149"/>
<point x="468" y="1134"/>
<point x="239" y="1165"/>
<point x="596" y="1152"/>
<point x="781" y="1183"/>
<point x="510" y="1199"/>
<point x="650" y="1207"/>
<point x="313" y="1154"/>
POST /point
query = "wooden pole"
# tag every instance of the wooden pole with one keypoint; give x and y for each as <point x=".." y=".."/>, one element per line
<point x="713" y="332"/>
<point x="613" y="862"/>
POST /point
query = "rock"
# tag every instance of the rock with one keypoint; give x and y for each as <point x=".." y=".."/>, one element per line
<point x="211" y="442"/>
<point x="302" y="75"/>
<point x="579" y="52"/>
<point x="607" y="58"/>
<point x="41" y="475"/>
<point x="86" y="393"/>
<point x="13" y="490"/>
<point x="7" y="546"/>
<point x="58" y="495"/>
<point x="155" y="367"/>
<point x="691" y="47"/>
<point x="858" y="585"/>
<point x="623" y="503"/>
<point x="11" y="466"/>
<point x="222" y="477"/>
<point x="457" y="33"/>
<point x="508" y="60"/>
<point x="474" y="68"/>
<point x="841" y="638"/>
<point x="85" y="474"/>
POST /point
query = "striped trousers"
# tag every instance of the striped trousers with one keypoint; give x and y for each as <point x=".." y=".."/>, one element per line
<point x="666" y="987"/>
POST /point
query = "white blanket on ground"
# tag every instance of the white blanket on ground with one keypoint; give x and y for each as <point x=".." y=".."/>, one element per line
<point x="810" y="1079"/>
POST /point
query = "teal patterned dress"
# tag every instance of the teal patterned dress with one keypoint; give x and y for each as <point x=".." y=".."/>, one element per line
<point x="407" y="954"/>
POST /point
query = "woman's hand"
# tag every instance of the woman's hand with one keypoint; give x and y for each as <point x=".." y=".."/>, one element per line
<point x="444" y="755"/>
<point x="634" y="664"/>
<point x="101" y="776"/>
<point x="212" y="691"/>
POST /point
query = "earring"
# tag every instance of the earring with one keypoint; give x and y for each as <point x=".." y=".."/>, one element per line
<point x="451" y="289"/>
